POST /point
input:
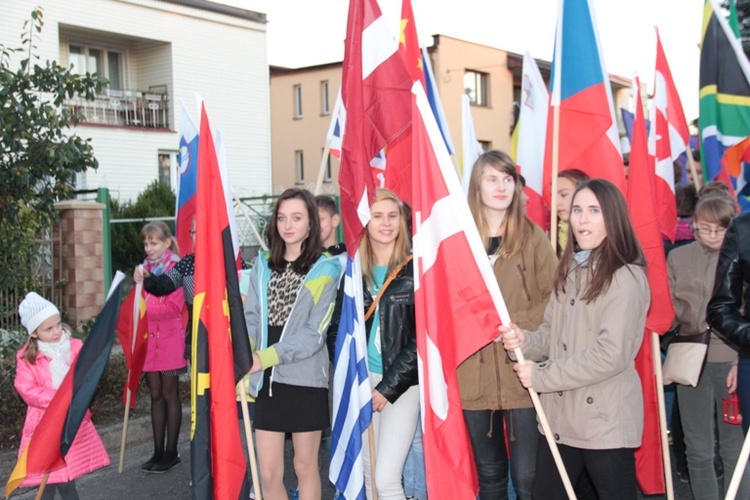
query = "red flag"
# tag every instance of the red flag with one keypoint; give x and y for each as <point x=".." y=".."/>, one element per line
<point x="132" y="329"/>
<point x="588" y="137"/>
<point x="398" y="152"/>
<point x="448" y="255"/>
<point x="57" y="429"/>
<point x="375" y="92"/>
<point x="218" y="327"/>
<point x="669" y="137"/>
<point x="642" y="205"/>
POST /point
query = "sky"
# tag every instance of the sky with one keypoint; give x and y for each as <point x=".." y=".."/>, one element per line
<point x="309" y="32"/>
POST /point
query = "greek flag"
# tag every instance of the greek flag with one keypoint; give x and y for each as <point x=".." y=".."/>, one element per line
<point x="352" y="395"/>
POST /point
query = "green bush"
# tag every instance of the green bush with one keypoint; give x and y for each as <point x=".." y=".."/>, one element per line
<point x="157" y="200"/>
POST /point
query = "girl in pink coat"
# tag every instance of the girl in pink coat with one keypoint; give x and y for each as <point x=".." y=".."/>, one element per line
<point x="41" y="367"/>
<point x="165" y="354"/>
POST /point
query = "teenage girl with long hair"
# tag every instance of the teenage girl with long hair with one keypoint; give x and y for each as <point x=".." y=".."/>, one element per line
<point x="524" y="264"/>
<point x="581" y="358"/>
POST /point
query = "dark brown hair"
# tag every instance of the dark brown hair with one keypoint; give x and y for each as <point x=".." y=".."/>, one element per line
<point x="311" y="246"/>
<point x="326" y="203"/>
<point x="686" y="197"/>
<point x="619" y="248"/>
<point x="574" y="175"/>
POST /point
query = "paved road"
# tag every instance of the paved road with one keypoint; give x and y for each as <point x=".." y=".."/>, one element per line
<point x="132" y="483"/>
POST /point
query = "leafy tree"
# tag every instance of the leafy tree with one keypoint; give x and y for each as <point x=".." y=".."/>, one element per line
<point x="743" y="20"/>
<point x="40" y="153"/>
<point x="157" y="200"/>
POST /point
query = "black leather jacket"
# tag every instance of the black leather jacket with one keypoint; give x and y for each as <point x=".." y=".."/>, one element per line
<point x="398" y="333"/>
<point x="724" y="312"/>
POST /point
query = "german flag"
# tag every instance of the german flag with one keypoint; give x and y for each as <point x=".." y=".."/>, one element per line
<point x="132" y="329"/>
<point x="56" y="430"/>
<point x="221" y="349"/>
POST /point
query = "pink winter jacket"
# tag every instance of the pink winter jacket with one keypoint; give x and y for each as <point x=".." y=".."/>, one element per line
<point x="166" y="331"/>
<point x="34" y="384"/>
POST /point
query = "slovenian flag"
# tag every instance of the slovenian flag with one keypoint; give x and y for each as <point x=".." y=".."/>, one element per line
<point x="187" y="187"/>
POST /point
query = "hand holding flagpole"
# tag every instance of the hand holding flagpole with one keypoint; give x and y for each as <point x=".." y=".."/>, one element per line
<point x="512" y="341"/>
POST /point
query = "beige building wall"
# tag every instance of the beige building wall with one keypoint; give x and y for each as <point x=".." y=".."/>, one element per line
<point x="451" y="58"/>
<point x="305" y="132"/>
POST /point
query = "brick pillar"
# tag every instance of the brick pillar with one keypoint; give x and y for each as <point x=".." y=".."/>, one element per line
<point x="82" y="263"/>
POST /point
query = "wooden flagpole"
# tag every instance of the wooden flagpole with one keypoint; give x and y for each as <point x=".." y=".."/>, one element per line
<point x="371" y="438"/>
<point x="547" y="432"/>
<point x="555" y="169"/>
<point x="322" y="169"/>
<point x="662" y="416"/>
<point x="249" y="438"/>
<point x="739" y="469"/>
<point x="136" y="318"/>
<point x="250" y="221"/>
<point x="43" y="485"/>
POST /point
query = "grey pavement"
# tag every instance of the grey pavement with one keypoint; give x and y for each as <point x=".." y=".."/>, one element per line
<point x="132" y="483"/>
<point x="107" y="484"/>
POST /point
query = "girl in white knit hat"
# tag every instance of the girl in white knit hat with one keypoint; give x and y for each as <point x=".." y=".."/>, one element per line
<point x="41" y="366"/>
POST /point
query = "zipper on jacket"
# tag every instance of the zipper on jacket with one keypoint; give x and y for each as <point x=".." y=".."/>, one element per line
<point x="521" y="271"/>
<point x="497" y="378"/>
<point x="283" y="331"/>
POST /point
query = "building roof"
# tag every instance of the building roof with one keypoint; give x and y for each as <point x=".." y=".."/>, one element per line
<point x="228" y="10"/>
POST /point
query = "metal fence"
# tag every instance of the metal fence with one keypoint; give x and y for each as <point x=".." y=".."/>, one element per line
<point x="45" y="263"/>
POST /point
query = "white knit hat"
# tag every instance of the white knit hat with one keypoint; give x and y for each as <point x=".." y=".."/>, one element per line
<point x="34" y="309"/>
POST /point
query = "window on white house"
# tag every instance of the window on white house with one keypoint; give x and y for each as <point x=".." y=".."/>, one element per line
<point x="299" y="159"/>
<point x="105" y="62"/>
<point x="325" y="101"/>
<point x="475" y="86"/>
<point x="298" y="101"/>
<point x="168" y="168"/>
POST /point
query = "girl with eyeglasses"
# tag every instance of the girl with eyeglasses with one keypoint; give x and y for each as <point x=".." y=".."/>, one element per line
<point x="691" y="270"/>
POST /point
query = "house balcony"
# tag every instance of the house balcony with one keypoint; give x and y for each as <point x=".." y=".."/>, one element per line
<point x="126" y="108"/>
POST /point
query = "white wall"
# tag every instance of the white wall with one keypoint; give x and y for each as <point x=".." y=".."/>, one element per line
<point x="221" y="57"/>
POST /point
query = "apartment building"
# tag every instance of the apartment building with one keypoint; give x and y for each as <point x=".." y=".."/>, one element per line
<point x="303" y="99"/>
<point x="156" y="53"/>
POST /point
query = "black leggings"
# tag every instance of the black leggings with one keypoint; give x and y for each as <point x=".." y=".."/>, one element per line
<point x="612" y="472"/>
<point x="166" y="410"/>
<point x="67" y="491"/>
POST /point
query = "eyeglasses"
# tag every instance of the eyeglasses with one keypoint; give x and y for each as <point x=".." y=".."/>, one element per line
<point x="705" y="231"/>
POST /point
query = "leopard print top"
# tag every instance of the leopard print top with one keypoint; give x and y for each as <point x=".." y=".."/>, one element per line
<point x="282" y="292"/>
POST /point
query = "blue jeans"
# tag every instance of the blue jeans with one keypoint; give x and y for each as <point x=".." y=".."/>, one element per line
<point x="490" y="455"/>
<point x="415" y="484"/>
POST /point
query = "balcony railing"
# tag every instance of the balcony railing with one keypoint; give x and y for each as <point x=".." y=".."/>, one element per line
<point x="126" y="108"/>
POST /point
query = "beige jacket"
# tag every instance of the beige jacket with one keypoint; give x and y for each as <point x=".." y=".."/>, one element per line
<point x="692" y="269"/>
<point x="590" y="390"/>
<point x="487" y="380"/>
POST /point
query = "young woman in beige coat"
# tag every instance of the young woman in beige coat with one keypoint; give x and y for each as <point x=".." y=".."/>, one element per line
<point x="583" y="353"/>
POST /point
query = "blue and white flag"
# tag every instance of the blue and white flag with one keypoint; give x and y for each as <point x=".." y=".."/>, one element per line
<point x="352" y="394"/>
<point x="434" y="99"/>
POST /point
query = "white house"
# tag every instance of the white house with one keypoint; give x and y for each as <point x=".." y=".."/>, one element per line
<point x="155" y="52"/>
